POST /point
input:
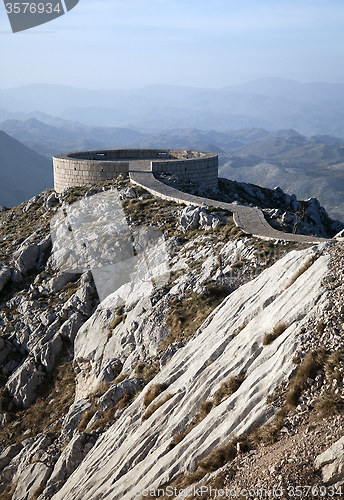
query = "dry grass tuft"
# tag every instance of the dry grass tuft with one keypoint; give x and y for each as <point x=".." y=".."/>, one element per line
<point x="109" y="415"/>
<point x="155" y="406"/>
<point x="303" y="269"/>
<point x="269" y="432"/>
<point x="321" y="327"/>
<point x="152" y="393"/>
<point x="229" y="387"/>
<point x="146" y="371"/>
<point x="276" y="332"/>
<point x="308" y="367"/>
<point x="177" y="438"/>
<point x="332" y="365"/>
<point x="188" y="314"/>
<point x="328" y="404"/>
<point x="218" y="458"/>
<point x="118" y="319"/>
<point x="37" y="492"/>
<point x="41" y="415"/>
<point x="86" y="418"/>
<point x="9" y="491"/>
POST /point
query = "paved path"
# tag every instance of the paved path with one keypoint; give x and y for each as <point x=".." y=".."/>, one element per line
<point x="249" y="220"/>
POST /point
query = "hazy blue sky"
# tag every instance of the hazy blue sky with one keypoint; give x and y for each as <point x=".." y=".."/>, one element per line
<point x="212" y="43"/>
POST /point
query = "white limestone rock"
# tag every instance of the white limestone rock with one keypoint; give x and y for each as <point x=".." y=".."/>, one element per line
<point x="70" y="458"/>
<point x="33" y="477"/>
<point x="23" y="382"/>
<point x="331" y="463"/>
<point x="49" y="351"/>
<point x="340" y="234"/>
<point x="73" y="417"/>
<point x="133" y="455"/>
<point x="207" y="221"/>
<point x="47" y="317"/>
<point x="113" y="395"/>
<point x="8" y="453"/>
<point x="30" y="447"/>
<point x="96" y="346"/>
<point x="81" y="301"/>
<point x="56" y="283"/>
<point x="127" y="193"/>
<point x="189" y="218"/>
<point x="71" y="326"/>
<point x="26" y="257"/>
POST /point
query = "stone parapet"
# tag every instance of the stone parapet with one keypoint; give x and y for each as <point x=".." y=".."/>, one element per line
<point x="89" y="167"/>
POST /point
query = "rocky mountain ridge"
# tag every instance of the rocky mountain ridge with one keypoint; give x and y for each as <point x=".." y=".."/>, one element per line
<point x="186" y="336"/>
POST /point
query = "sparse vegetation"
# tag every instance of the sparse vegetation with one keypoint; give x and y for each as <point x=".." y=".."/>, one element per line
<point x="188" y="314"/>
<point x="54" y="398"/>
<point x="218" y="458"/>
<point x="308" y="367"/>
<point x="321" y="327"/>
<point x="332" y="365"/>
<point x="309" y="262"/>
<point x="269" y="432"/>
<point x="155" y="406"/>
<point x="86" y="418"/>
<point x="153" y="392"/>
<point x="147" y="371"/>
<point x="327" y="404"/>
<point x="276" y="332"/>
<point x="118" y="319"/>
<point x="228" y="387"/>
<point x="9" y="491"/>
<point x="37" y="492"/>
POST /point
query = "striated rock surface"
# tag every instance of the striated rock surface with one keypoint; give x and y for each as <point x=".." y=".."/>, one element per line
<point x="114" y="392"/>
<point x="195" y="372"/>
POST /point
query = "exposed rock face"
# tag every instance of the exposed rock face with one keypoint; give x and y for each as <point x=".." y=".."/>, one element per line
<point x="117" y="391"/>
<point x="331" y="463"/>
<point x="8" y="453"/>
<point x="194" y="217"/>
<point x="100" y="446"/>
<point x="195" y="373"/>
<point x="23" y="382"/>
<point x="26" y="257"/>
<point x="70" y="458"/>
<point x="5" y="276"/>
<point x="73" y="418"/>
<point x="32" y="478"/>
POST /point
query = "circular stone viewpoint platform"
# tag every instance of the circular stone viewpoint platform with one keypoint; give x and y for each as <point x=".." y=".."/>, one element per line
<point x="89" y="167"/>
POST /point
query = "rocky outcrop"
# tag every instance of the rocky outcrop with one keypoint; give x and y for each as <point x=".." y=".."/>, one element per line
<point x="5" y="276"/>
<point x="114" y="440"/>
<point x="195" y="372"/>
<point x="331" y="463"/>
<point x="23" y="382"/>
<point x="31" y="480"/>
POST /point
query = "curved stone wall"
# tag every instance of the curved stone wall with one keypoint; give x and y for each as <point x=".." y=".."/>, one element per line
<point x="89" y="167"/>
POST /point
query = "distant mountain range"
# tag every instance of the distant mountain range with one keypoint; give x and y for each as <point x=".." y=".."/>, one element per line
<point x="269" y="103"/>
<point x="308" y="167"/>
<point x="23" y="172"/>
<point x="270" y="131"/>
<point x="312" y="167"/>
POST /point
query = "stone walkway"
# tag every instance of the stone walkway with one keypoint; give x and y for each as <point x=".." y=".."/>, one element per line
<point x="250" y="220"/>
